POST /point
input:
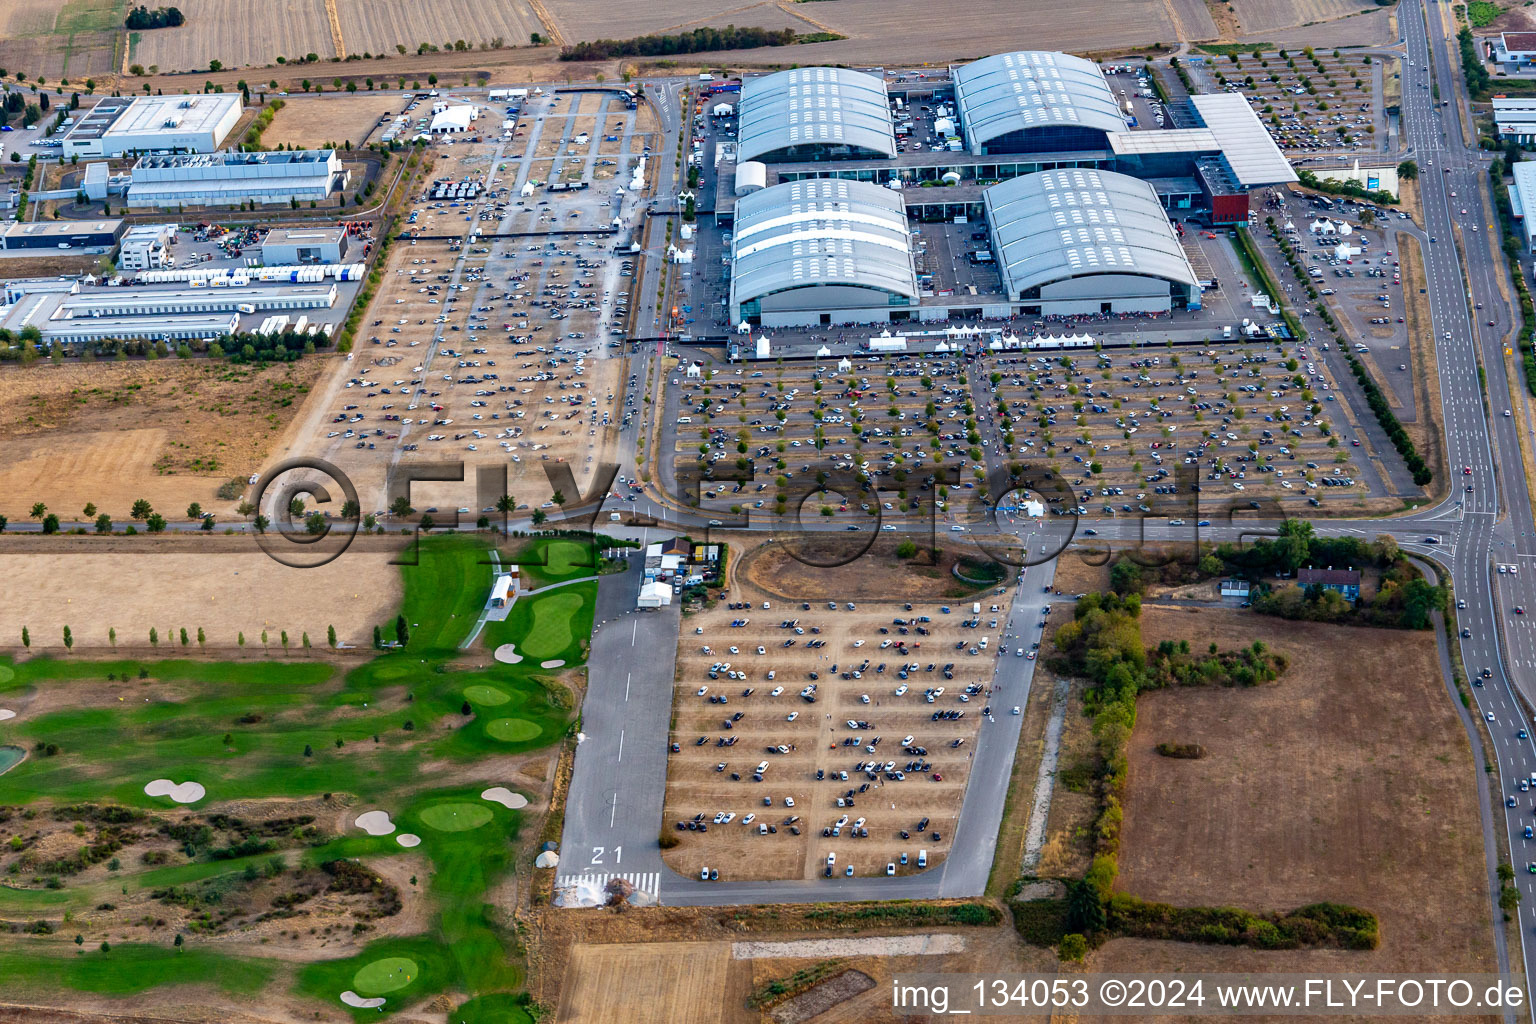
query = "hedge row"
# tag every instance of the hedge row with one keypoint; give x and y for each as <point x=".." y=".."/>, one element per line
<point x="1517" y="274"/>
<point x="1320" y="925"/>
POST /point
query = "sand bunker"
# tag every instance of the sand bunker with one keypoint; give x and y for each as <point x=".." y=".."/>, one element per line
<point x="408" y="840"/>
<point x="504" y="796"/>
<point x="182" y="793"/>
<point x="6" y="713"/>
<point x="552" y="663"/>
<point x="375" y="823"/>
<point x="353" y="999"/>
<point x="507" y="654"/>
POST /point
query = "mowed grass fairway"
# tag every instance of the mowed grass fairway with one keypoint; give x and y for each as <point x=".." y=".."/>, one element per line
<point x="1350" y="780"/>
<point x="392" y="733"/>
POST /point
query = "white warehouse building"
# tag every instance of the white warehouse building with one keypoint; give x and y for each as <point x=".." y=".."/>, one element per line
<point x="232" y="178"/>
<point x="120" y="126"/>
<point x="1079" y="241"/>
<point x="820" y="251"/>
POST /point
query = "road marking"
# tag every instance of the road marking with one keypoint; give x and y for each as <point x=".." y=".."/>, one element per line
<point x="620" y="757"/>
<point x="643" y="881"/>
<point x="627" y="677"/>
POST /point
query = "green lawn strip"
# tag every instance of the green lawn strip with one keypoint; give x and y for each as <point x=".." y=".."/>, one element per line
<point x="545" y="560"/>
<point x="257" y="673"/>
<point x="444" y="593"/>
<point x="129" y="969"/>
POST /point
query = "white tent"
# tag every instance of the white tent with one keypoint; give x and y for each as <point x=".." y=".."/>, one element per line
<point x="764" y="347"/>
<point x="1323" y="227"/>
<point x="721" y="110"/>
<point x="823" y="351"/>
<point x="654" y="595"/>
<point x="743" y="328"/>
<point x="1033" y="509"/>
<point x="527" y="189"/>
<point x="844" y="365"/>
<point x="695" y="370"/>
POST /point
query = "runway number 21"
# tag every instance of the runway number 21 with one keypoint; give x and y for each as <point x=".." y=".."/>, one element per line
<point x="597" y="854"/>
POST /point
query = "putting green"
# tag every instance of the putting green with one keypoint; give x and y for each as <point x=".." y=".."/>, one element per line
<point x="511" y="730"/>
<point x="391" y="672"/>
<point x="456" y="817"/>
<point x="388" y="975"/>
<point x="550" y="632"/>
<point x="488" y="696"/>
<point x="564" y="557"/>
<point x="7" y="673"/>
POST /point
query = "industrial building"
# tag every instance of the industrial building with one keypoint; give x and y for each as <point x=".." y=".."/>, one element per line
<point x="1514" y="52"/>
<point x="1522" y="201"/>
<point x="62" y="234"/>
<point x="1034" y="102"/>
<point x="147" y="247"/>
<point x="448" y="119"/>
<point x="232" y="178"/>
<point x="1515" y="118"/>
<point x="1084" y="241"/>
<point x="117" y="127"/>
<point x="128" y="302"/>
<point x="61" y="323"/>
<point x="304" y="246"/>
<point x="820" y="251"/>
<point x="815" y="114"/>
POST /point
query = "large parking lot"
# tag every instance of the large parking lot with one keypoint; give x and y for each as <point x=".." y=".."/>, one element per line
<point x="901" y="421"/>
<point x="1257" y="421"/>
<point x="848" y="723"/>
<point x="1310" y="100"/>
<point x="497" y="350"/>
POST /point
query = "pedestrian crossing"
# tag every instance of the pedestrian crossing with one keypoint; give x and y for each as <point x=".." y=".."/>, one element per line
<point x="648" y="882"/>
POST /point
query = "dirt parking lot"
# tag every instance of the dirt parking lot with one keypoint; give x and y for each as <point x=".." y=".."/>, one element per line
<point x="311" y="122"/>
<point x="1253" y="422"/>
<point x="884" y="434"/>
<point x="805" y="672"/>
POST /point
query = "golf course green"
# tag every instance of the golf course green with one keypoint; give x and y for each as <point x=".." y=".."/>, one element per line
<point x="549" y="634"/>
<point x="486" y="696"/>
<point x="387" y="975"/>
<point x="511" y="730"/>
<point x="456" y="817"/>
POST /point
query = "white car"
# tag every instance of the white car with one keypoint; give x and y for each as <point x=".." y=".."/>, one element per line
<point x="858" y="643"/>
<point x="1015" y="710"/>
<point x="749" y="819"/>
<point x="791" y="716"/>
<point x="701" y="691"/>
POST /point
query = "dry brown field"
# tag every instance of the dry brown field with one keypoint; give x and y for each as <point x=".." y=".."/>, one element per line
<point x="226" y="591"/>
<point x="655" y="983"/>
<point x="1258" y="16"/>
<point x="1347" y="780"/>
<point x="817" y="734"/>
<point x="312" y="122"/>
<point x="55" y="40"/>
<point x="168" y="430"/>
<point x="240" y="33"/>
<point x="791" y="569"/>
<point x="378" y="26"/>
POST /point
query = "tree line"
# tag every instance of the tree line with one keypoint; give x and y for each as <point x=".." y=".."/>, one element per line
<point x="700" y="40"/>
<point x="160" y="17"/>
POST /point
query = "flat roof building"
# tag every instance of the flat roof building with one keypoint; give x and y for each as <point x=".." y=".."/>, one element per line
<point x="285" y="247"/>
<point x="232" y="178"/>
<point x="1033" y="101"/>
<point x="804" y="251"/>
<point x="1515" y="118"/>
<point x="1245" y="145"/>
<point x="1514" y="51"/>
<point x="117" y="127"/>
<point x="1082" y="240"/>
<point x="51" y="314"/>
<point x="814" y="114"/>
<point x="146" y="247"/>
<point x="62" y="234"/>
<point x="1522" y="199"/>
<point x="130" y="302"/>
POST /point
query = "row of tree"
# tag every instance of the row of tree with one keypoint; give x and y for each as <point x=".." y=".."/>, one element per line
<point x="700" y="40"/>
<point x="140" y="18"/>
<point x="202" y="638"/>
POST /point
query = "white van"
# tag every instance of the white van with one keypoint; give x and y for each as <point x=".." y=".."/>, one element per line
<point x="685" y="419"/>
<point x="922" y="858"/>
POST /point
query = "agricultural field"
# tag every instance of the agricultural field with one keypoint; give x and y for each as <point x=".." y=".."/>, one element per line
<point x="358" y="817"/>
<point x="1250" y="423"/>
<point x="170" y="431"/>
<point x="73" y="39"/>
<point x="903" y="31"/>
<point x="874" y="667"/>
<point x="1325" y="101"/>
<point x="1377" y="808"/>
<point x="240" y="34"/>
<point x="905" y="420"/>
<point x="1259" y="16"/>
<point x="379" y="26"/>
